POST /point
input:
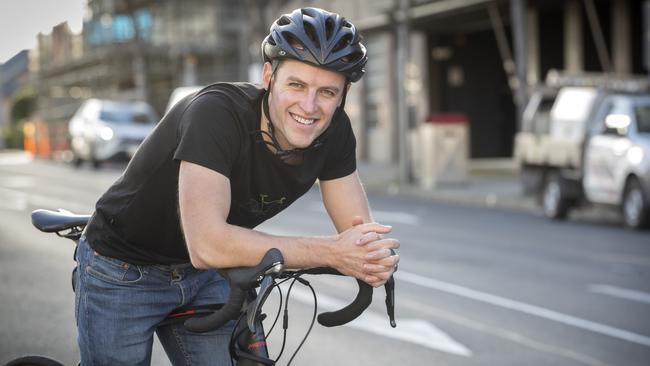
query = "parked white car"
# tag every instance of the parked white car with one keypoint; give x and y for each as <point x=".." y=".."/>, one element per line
<point x="585" y="145"/>
<point x="617" y="157"/>
<point x="103" y="130"/>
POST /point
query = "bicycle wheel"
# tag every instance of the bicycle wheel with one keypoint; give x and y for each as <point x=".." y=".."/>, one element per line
<point x="34" y="361"/>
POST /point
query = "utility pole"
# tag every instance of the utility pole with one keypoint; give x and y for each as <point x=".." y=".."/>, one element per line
<point x="402" y="20"/>
<point x="646" y="35"/>
<point x="518" y="15"/>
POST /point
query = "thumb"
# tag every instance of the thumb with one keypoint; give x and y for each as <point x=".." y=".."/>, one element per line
<point x="357" y="220"/>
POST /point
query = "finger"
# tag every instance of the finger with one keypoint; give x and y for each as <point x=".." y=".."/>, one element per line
<point x="378" y="282"/>
<point x="368" y="237"/>
<point x="381" y="248"/>
<point x="388" y="262"/>
<point x="384" y="243"/>
<point x="373" y="281"/>
<point x="379" y="228"/>
<point x="379" y="254"/>
<point x="376" y="269"/>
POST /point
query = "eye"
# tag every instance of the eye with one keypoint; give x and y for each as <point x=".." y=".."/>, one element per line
<point x="295" y="85"/>
<point x="328" y="93"/>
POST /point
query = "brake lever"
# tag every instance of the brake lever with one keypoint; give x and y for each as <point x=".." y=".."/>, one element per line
<point x="389" y="286"/>
<point x="266" y="287"/>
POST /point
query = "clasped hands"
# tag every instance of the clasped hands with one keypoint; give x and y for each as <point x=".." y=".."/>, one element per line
<point x="377" y="259"/>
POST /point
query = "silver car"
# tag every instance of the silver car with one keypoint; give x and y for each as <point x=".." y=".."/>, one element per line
<point x="104" y="130"/>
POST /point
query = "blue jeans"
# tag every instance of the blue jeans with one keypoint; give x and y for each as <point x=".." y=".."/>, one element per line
<point x="119" y="306"/>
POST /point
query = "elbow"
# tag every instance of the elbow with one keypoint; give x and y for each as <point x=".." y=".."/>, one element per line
<point x="198" y="262"/>
<point x="197" y="258"/>
<point x="206" y="254"/>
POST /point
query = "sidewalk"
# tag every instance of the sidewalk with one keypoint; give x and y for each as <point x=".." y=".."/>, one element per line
<point x="490" y="183"/>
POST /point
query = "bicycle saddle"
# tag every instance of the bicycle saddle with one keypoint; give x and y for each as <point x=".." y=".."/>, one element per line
<point x="54" y="221"/>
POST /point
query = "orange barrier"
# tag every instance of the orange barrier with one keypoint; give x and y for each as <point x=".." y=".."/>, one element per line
<point x="29" y="137"/>
<point x="46" y="139"/>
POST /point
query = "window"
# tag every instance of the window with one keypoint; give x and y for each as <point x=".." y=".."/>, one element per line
<point x="119" y="113"/>
<point x="642" y="113"/>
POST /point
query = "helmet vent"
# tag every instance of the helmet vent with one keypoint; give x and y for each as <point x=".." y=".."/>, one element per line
<point x="343" y="42"/>
<point x="293" y="41"/>
<point x="329" y="27"/>
<point x="284" y="20"/>
<point x="311" y="32"/>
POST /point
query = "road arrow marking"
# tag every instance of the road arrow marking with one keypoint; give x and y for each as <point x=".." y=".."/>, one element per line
<point x="417" y="331"/>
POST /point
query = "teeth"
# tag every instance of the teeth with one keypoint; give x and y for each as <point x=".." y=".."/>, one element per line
<point x="304" y="121"/>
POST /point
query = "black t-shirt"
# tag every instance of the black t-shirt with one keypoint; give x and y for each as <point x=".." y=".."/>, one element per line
<point x="137" y="219"/>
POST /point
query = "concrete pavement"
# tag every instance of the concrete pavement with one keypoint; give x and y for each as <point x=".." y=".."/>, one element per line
<point x="489" y="183"/>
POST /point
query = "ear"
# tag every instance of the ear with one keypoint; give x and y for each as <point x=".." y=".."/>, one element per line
<point x="267" y="72"/>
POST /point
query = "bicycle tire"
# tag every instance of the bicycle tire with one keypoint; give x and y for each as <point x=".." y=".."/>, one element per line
<point x="33" y="361"/>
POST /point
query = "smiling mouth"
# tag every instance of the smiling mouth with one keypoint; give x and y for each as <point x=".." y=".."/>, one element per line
<point x="303" y="121"/>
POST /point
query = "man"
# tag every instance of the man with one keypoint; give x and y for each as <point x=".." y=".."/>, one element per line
<point x="219" y="163"/>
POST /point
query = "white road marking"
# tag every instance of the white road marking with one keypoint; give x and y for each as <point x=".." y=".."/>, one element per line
<point x="18" y="181"/>
<point x="523" y="307"/>
<point x="622" y="293"/>
<point x="41" y="201"/>
<point x="382" y="216"/>
<point x="417" y="331"/>
<point x="15" y="158"/>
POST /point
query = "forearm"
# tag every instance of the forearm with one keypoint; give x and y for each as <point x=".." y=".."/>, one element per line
<point x="204" y="202"/>
<point x="234" y="246"/>
<point x="345" y="201"/>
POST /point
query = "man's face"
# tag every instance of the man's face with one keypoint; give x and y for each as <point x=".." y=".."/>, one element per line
<point x="302" y="101"/>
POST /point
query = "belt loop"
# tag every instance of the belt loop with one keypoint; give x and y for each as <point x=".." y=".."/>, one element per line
<point x="176" y="275"/>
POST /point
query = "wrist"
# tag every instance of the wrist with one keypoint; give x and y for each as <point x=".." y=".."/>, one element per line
<point x="329" y="251"/>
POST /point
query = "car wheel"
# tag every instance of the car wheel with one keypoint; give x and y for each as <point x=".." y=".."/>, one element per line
<point x="76" y="161"/>
<point x="555" y="202"/>
<point x="635" y="206"/>
<point x="96" y="163"/>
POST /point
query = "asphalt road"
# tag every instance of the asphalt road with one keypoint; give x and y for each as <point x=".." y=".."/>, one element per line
<point x="476" y="286"/>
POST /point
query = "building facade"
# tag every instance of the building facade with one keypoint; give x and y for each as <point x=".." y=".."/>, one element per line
<point x="478" y="57"/>
<point x="474" y="58"/>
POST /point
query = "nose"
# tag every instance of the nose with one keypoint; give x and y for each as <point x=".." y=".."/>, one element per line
<point x="309" y="103"/>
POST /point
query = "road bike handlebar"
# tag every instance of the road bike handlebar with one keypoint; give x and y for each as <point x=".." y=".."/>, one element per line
<point x="349" y="312"/>
<point x="244" y="279"/>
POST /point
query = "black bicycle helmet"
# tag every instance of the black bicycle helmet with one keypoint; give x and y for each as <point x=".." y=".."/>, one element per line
<point x="319" y="37"/>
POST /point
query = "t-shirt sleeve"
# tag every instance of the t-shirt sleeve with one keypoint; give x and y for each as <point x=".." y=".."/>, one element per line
<point x="342" y="145"/>
<point x="209" y="134"/>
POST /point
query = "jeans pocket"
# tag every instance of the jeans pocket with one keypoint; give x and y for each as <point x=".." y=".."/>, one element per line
<point x="113" y="270"/>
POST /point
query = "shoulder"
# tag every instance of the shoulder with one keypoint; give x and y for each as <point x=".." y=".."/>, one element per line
<point x="223" y="101"/>
<point x="242" y="95"/>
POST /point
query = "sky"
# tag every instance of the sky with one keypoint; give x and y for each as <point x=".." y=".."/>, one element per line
<point x="22" y="20"/>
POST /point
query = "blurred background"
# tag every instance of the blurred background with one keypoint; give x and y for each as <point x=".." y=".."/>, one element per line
<point x="476" y="123"/>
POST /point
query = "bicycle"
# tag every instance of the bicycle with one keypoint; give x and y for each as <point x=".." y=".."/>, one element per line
<point x="248" y="341"/>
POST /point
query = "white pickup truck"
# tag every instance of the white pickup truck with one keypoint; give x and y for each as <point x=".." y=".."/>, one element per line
<point x="586" y="145"/>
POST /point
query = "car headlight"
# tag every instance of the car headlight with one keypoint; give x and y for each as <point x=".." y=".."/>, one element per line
<point x="106" y="133"/>
<point x="635" y="155"/>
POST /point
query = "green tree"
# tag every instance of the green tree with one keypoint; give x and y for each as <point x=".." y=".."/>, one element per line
<point x="22" y="107"/>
